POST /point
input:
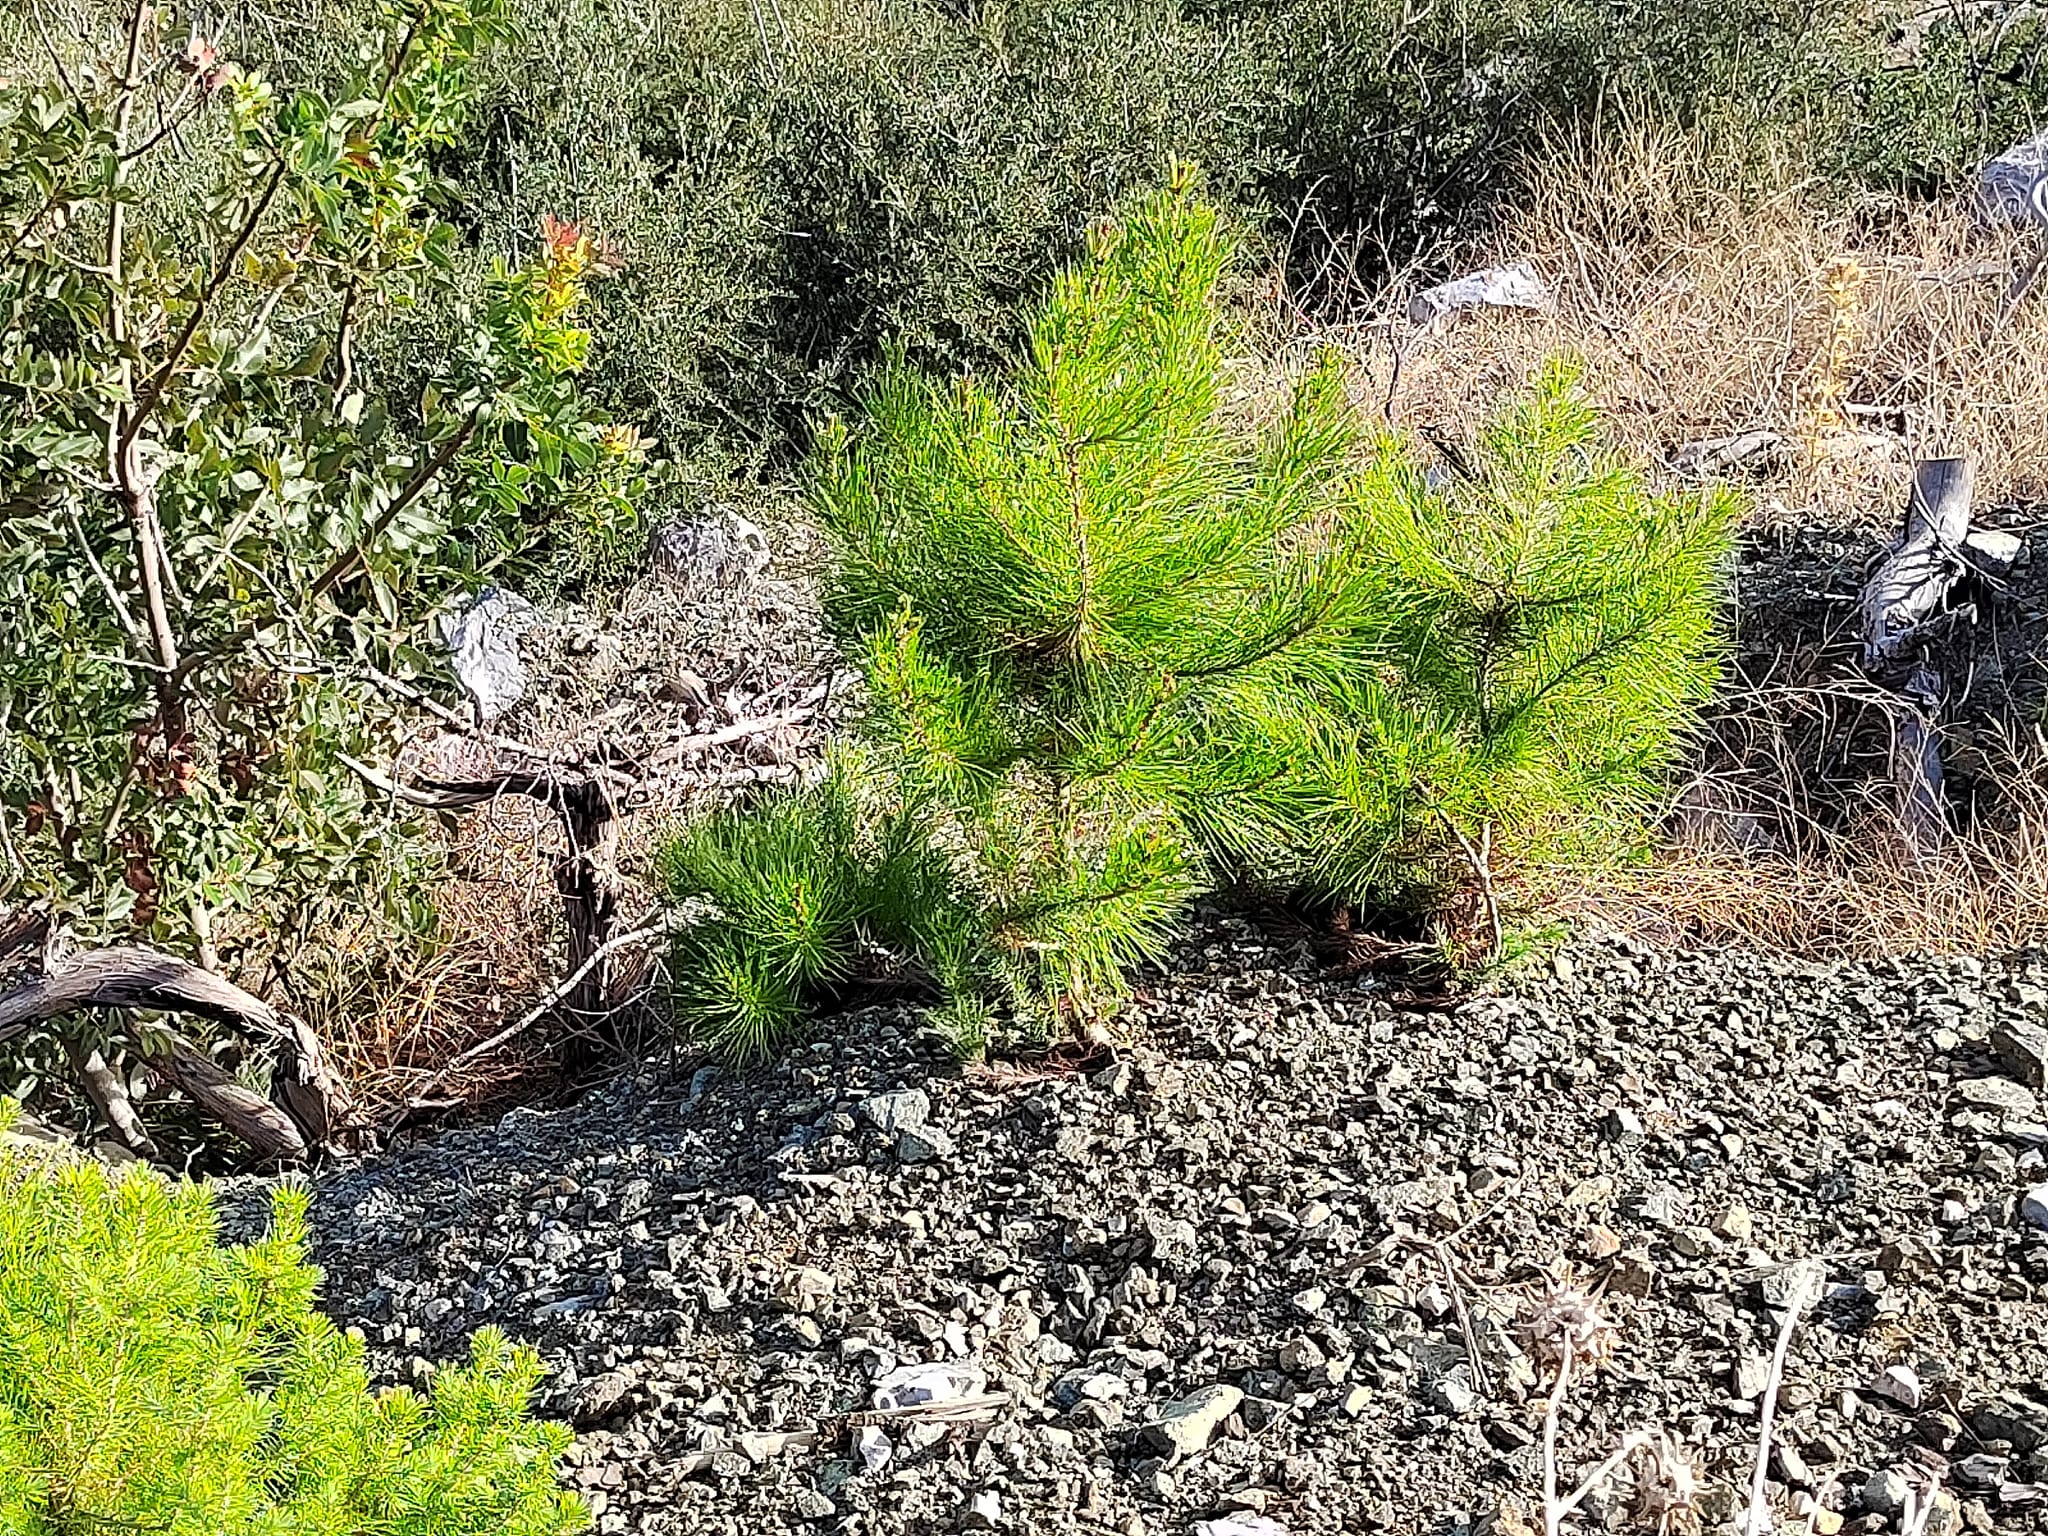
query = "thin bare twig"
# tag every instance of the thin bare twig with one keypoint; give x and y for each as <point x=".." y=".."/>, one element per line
<point x="644" y="933"/>
<point x="1807" y="1277"/>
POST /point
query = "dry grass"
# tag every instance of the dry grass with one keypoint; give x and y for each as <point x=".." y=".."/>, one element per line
<point x="394" y="1008"/>
<point x="1864" y="337"/>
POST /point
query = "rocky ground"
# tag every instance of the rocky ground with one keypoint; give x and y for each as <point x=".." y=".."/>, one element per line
<point x="1237" y="1273"/>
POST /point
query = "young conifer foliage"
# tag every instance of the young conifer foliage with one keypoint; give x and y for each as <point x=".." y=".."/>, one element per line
<point x="1118" y="637"/>
<point x="153" y="1379"/>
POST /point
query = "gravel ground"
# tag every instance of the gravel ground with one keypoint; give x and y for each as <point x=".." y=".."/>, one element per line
<point x="1289" y="1188"/>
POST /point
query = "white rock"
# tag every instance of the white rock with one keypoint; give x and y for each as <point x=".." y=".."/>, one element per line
<point x="1187" y="1424"/>
<point x="1898" y="1384"/>
<point x="1241" y="1525"/>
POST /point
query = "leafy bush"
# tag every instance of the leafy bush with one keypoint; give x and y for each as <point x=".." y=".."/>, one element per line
<point x="153" y="1380"/>
<point x="796" y="188"/>
<point x="221" y="532"/>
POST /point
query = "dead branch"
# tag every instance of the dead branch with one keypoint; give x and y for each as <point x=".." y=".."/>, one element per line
<point x="109" y="1095"/>
<point x="1928" y="559"/>
<point x="313" y="1105"/>
<point x="268" y="1130"/>
<point x="541" y="1009"/>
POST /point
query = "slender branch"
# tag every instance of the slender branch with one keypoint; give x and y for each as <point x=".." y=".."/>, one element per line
<point x="344" y="564"/>
<point x="152" y="392"/>
<point x="547" y="1004"/>
<point x="56" y="58"/>
<point x="1806" y="1286"/>
<point x="133" y="487"/>
<point x="1631" y="1442"/>
<point x="344" y="346"/>
<point x="1551" y="1514"/>
<point x="172" y="121"/>
<point x="106" y="582"/>
<point x="109" y="1095"/>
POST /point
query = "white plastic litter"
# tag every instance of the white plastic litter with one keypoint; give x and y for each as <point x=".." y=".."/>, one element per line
<point x="874" y="1447"/>
<point x="1510" y="287"/>
<point x="1240" y="1525"/>
<point x="913" y="1386"/>
<point x="483" y="645"/>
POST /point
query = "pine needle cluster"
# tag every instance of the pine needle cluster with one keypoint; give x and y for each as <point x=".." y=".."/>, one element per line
<point x="1544" y="632"/>
<point x="152" y="1379"/>
<point x="1118" y="638"/>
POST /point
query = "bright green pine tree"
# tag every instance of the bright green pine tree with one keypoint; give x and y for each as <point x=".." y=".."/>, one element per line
<point x="152" y="1379"/>
<point x="1546" y="629"/>
<point x="1053" y="586"/>
<point x="1116" y="637"/>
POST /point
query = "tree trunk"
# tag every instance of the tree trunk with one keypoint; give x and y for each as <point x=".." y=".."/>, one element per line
<point x="1904" y="592"/>
<point x="313" y="1109"/>
<point x="1928" y="559"/>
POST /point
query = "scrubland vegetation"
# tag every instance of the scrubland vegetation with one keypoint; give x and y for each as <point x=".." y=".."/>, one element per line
<point x="1167" y="559"/>
<point x="1176" y="589"/>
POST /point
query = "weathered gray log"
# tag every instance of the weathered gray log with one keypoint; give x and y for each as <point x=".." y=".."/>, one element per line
<point x="313" y="1109"/>
<point x="268" y="1130"/>
<point x="125" y="976"/>
<point x="1927" y="561"/>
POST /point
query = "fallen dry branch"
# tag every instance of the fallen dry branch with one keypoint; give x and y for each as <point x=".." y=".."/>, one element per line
<point x="310" y="1110"/>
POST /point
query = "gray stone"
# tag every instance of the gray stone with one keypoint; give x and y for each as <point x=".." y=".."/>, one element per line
<point x="1623" y="1124"/>
<point x="2034" y="1206"/>
<point x="1999" y="1094"/>
<point x="903" y="1109"/>
<point x="1188" y="1424"/>
<point x="1453" y="1394"/>
<point x="813" y="1505"/>
<point x="1884" y="1493"/>
<point x="2021" y="1047"/>
<point x="925" y="1144"/>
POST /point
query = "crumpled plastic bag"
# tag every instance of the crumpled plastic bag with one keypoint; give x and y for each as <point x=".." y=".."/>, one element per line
<point x="2012" y="188"/>
<point x="912" y="1386"/>
<point x="1511" y="287"/>
<point x="483" y="646"/>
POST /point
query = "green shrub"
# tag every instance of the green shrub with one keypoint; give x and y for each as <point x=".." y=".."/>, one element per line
<point x="1056" y="589"/>
<point x="1545" y="632"/>
<point x="220" y="526"/>
<point x="1116" y="636"/>
<point x="154" y="1380"/>
<point x="794" y="186"/>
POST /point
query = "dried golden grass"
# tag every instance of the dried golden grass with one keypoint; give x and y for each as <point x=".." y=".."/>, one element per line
<point x="394" y="1008"/>
<point x="1865" y="337"/>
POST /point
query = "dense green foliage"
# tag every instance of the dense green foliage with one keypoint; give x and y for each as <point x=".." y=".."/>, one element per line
<point x="220" y="531"/>
<point x="1118" y="633"/>
<point x="1545" y="633"/>
<point x="795" y="185"/>
<point x="154" y="1380"/>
